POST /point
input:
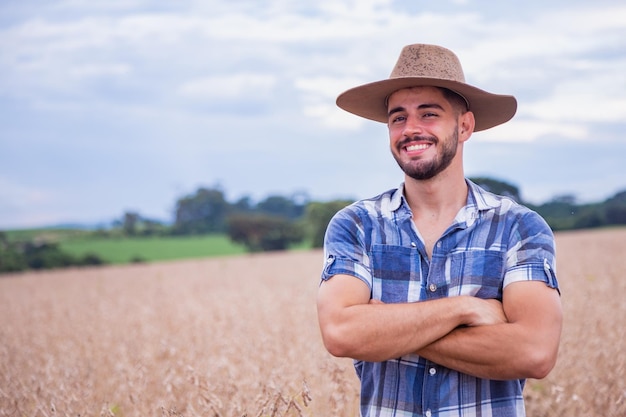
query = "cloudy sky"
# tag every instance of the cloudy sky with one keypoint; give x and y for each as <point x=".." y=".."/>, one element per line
<point x="115" y="105"/>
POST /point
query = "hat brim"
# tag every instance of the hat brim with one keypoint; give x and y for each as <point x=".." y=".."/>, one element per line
<point x="369" y="100"/>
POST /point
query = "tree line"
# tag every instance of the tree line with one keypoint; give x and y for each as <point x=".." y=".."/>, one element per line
<point x="38" y="254"/>
<point x="279" y="222"/>
<point x="563" y="212"/>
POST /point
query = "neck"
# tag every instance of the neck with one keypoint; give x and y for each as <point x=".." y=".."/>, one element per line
<point x="442" y="195"/>
<point x="434" y="204"/>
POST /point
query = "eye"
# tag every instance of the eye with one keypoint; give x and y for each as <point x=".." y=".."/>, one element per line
<point x="398" y="119"/>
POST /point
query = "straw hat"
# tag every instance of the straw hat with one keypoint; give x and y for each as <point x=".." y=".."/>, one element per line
<point x="428" y="65"/>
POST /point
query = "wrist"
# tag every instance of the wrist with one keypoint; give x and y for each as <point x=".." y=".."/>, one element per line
<point x="466" y="309"/>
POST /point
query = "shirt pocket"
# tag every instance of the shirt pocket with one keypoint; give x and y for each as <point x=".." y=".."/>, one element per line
<point x="395" y="274"/>
<point x="479" y="273"/>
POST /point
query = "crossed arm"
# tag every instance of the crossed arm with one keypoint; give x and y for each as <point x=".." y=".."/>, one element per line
<point x="516" y="339"/>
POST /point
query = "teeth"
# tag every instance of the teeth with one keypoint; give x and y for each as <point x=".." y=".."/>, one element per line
<point x="417" y="147"/>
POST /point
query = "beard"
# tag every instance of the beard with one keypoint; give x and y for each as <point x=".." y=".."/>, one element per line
<point x="427" y="169"/>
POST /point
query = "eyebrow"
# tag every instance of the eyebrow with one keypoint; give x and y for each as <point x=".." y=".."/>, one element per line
<point x="420" y="107"/>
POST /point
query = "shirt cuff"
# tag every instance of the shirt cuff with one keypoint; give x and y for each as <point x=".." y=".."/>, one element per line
<point x="336" y="266"/>
<point x="532" y="272"/>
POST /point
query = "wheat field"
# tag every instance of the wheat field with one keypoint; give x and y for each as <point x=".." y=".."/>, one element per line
<point x="238" y="336"/>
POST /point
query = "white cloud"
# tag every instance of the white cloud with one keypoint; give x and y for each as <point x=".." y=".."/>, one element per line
<point x="548" y="49"/>
<point x="579" y="107"/>
<point x="594" y="92"/>
<point x="229" y="86"/>
<point x="93" y="70"/>
<point x="333" y="117"/>
<point x="20" y="204"/>
<point x="530" y="130"/>
<point x="319" y="94"/>
<point x="21" y="194"/>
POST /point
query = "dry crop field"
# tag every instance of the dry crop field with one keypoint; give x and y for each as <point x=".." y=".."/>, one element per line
<point x="238" y="336"/>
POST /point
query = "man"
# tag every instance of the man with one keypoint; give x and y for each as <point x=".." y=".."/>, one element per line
<point x="445" y="295"/>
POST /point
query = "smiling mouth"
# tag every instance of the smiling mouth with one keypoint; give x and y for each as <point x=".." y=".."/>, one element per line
<point x="417" y="147"/>
<point x="416" y="144"/>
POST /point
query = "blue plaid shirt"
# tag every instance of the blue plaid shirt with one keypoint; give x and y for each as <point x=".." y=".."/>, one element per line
<point x="492" y="242"/>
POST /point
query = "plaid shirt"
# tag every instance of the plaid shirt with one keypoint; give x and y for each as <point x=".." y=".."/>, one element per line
<point x="492" y="242"/>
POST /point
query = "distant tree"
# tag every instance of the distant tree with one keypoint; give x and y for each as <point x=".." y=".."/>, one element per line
<point x="280" y="206"/>
<point x="46" y="255"/>
<point x="560" y="212"/>
<point x="498" y="187"/>
<point x="615" y="208"/>
<point x="91" y="259"/>
<point x="205" y="211"/>
<point x="37" y="254"/>
<point x="130" y="223"/>
<point x="565" y="199"/>
<point x="264" y="233"/>
<point x="134" y="224"/>
<point x="151" y="227"/>
<point x="560" y="206"/>
<point x="589" y="218"/>
<point x="243" y="205"/>
<point x="11" y="259"/>
<point x="318" y="216"/>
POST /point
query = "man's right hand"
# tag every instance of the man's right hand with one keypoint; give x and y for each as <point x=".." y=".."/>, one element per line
<point x="485" y="312"/>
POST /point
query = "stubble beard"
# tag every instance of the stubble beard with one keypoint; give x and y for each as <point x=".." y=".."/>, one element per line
<point x="427" y="169"/>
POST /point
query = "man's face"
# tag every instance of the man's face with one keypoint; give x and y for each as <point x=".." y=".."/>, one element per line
<point x="423" y="131"/>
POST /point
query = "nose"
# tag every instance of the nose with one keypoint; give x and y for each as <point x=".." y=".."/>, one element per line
<point x="412" y="127"/>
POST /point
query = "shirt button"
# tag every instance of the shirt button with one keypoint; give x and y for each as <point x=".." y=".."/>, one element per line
<point x="413" y="244"/>
<point x="432" y="371"/>
<point x="428" y="413"/>
<point x="432" y="287"/>
<point x="439" y="244"/>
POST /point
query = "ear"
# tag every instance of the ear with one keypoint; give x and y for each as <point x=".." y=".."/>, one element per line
<point x="466" y="126"/>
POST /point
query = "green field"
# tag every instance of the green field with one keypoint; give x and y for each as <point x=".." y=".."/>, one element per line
<point x="45" y="234"/>
<point x="127" y="249"/>
<point x="115" y="248"/>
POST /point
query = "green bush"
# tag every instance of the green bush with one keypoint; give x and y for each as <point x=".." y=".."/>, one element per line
<point x="318" y="216"/>
<point x="18" y="256"/>
<point x="263" y="232"/>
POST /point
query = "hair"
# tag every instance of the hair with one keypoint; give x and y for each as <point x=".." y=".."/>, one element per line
<point x="457" y="101"/>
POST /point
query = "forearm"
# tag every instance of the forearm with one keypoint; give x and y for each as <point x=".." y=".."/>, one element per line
<point x="405" y="326"/>
<point x="378" y="332"/>
<point x="354" y="326"/>
<point x="476" y="351"/>
<point x="502" y="351"/>
<point x="525" y="346"/>
<point x="381" y="332"/>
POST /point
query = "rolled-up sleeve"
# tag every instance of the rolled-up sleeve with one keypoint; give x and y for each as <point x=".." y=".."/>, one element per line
<point x="532" y="252"/>
<point x="344" y="248"/>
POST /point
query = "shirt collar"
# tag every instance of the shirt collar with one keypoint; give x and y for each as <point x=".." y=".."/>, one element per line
<point x="481" y="199"/>
<point x="477" y="200"/>
<point x="397" y="198"/>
